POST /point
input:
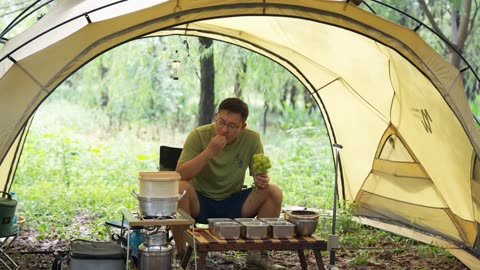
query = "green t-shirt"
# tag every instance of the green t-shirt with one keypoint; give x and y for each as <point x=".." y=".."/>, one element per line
<point x="224" y="174"/>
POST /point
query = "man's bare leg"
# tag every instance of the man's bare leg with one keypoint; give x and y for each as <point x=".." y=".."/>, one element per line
<point x="189" y="203"/>
<point x="264" y="203"/>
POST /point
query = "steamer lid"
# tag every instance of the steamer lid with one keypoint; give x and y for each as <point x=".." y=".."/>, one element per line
<point x="159" y="176"/>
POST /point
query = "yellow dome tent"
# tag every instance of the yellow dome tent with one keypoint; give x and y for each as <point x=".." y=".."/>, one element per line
<point x="410" y="142"/>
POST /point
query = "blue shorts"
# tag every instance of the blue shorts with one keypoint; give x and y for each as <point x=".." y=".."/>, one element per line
<point x="231" y="207"/>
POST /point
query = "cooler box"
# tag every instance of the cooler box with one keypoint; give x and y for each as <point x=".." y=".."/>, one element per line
<point x="90" y="255"/>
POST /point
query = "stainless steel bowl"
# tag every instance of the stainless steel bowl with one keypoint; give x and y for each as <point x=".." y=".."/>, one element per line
<point x="305" y="227"/>
<point x="305" y="221"/>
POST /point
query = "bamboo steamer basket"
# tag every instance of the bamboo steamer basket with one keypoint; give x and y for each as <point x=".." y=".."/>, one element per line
<point x="159" y="184"/>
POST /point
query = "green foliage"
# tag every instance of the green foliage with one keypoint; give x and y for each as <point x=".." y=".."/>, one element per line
<point x="369" y="243"/>
<point x="11" y="9"/>
<point x="66" y="172"/>
<point x="433" y="251"/>
<point x="345" y="223"/>
<point x="297" y="117"/>
<point x="132" y="83"/>
<point x="303" y="166"/>
<point x="361" y="259"/>
<point x="475" y="107"/>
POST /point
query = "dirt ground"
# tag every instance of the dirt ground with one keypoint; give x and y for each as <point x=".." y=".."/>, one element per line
<point x="31" y="253"/>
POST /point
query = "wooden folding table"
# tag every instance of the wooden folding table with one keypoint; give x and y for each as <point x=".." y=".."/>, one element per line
<point x="205" y="242"/>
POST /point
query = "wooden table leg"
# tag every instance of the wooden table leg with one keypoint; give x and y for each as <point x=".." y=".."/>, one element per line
<point x="303" y="261"/>
<point x="202" y="260"/>
<point x="318" y="258"/>
<point x="186" y="257"/>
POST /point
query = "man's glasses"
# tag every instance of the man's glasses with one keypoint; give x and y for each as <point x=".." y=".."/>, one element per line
<point x="221" y="124"/>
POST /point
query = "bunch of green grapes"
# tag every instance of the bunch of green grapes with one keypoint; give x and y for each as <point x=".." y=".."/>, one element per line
<point x="261" y="164"/>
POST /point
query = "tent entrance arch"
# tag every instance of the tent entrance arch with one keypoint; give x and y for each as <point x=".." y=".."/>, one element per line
<point x="399" y="109"/>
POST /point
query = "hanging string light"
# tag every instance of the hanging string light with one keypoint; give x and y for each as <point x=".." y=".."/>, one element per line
<point x="176" y="66"/>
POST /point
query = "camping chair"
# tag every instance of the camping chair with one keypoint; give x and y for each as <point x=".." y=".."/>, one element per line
<point x="168" y="158"/>
<point x="6" y="242"/>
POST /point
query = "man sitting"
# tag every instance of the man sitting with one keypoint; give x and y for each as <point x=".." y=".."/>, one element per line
<point x="212" y="167"/>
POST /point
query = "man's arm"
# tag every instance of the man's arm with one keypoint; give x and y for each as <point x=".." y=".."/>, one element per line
<point x="188" y="170"/>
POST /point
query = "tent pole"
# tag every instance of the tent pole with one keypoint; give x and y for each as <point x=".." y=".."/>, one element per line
<point x="333" y="238"/>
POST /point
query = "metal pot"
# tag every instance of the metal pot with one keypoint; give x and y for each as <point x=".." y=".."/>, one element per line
<point x="305" y="221"/>
<point x="158" y="207"/>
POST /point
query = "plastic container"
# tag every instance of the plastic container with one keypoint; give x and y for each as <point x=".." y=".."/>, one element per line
<point x="159" y="184"/>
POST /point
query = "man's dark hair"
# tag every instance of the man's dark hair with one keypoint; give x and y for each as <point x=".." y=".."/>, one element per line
<point x="235" y="105"/>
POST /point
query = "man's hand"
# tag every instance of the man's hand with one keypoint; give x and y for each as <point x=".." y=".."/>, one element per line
<point x="190" y="169"/>
<point x="216" y="145"/>
<point x="261" y="180"/>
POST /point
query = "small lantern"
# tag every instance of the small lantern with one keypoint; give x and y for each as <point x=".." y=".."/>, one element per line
<point x="176" y="69"/>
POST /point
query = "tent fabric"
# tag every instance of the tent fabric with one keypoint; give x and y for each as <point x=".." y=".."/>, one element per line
<point x="410" y="142"/>
<point x="10" y="162"/>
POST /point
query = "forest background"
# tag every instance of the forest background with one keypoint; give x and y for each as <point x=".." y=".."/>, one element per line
<point x="104" y="125"/>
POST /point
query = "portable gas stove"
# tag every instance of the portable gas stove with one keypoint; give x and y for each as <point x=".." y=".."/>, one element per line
<point x="136" y="219"/>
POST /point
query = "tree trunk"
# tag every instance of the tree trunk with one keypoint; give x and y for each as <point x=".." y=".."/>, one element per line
<point x="293" y="96"/>
<point x="104" y="97"/>
<point x="237" y="89"/>
<point x="206" y="106"/>
<point x="309" y="101"/>
<point x="461" y="27"/>
<point x="265" y="113"/>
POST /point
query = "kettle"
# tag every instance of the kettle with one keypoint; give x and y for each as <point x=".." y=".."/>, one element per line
<point x="155" y="253"/>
